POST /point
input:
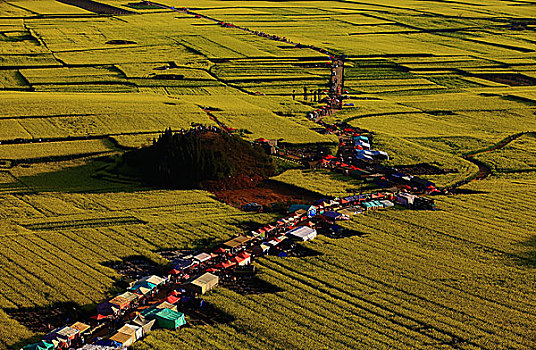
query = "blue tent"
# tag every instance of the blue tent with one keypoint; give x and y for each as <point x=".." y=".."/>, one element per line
<point x="143" y="284"/>
<point x="181" y="264"/>
<point x="331" y="214"/>
<point x="108" y="342"/>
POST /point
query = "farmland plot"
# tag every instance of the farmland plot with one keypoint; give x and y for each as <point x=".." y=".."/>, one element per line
<point x="432" y="80"/>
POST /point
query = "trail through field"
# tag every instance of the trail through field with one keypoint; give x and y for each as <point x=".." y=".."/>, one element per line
<point x="484" y="170"/>
<point x="245" y="29"/>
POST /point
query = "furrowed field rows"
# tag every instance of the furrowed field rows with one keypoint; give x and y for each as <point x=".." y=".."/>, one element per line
<point x="458" y="329"/>
<point x="267" y="318"/>
<point x="52" y="277"/>
<point x="442" y="291"/>
<point x="500" y="297"/>
<point x="78" y="278"/>
<point x="346" y="313"/>
<point x="366" y="310"/>
<point x="448" y="230"/>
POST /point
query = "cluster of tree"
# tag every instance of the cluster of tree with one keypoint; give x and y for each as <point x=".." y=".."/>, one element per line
<point x="187" y="160"/>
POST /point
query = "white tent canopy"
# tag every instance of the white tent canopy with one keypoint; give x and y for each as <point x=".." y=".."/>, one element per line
<point x="303" y="233"/>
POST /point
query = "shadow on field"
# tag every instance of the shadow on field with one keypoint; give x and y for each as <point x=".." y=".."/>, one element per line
<point x="84" y="175"/>
<point x="529" y="257"/>
<point x="44" y="319"/>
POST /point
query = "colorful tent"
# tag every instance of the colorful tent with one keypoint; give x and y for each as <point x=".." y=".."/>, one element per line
<point x="170" y="319"/>
<point x="42" y="345"/>
<point x="172" y="299"/>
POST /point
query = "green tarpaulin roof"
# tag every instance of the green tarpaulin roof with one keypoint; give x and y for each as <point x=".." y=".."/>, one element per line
<point x="169" y="314"/>
<point x="42" y="345"/>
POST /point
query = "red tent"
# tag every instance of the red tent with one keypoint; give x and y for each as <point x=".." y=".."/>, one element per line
<point x="227" y="264"/>
<point x="244" y="255"/>
<point x="174" y="272"/>
<point x="172" y="299"/>
<point x="175" y="293"/>
<point x="220" y="251"/>
<point x="329" y="156"/>
<point x="99" y="317"/>
<point x="212" y="270"/>
<point x="262" y="139"/>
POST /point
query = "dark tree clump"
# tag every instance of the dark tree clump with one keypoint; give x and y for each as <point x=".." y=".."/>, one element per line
<point x="197" y="159"/>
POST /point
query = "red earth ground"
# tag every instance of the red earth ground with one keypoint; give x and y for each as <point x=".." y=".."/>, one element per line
<point x="265" y="193"/>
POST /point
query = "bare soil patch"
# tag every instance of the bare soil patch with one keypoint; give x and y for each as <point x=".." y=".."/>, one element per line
<point x="266" y="193"/>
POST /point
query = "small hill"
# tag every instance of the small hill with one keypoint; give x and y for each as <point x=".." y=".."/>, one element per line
<point x="206" y="159"/>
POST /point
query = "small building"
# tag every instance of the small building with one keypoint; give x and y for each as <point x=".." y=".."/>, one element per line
<point x="169" y="319"/>
<point x="202" y="284"/>
<point x="302" y="233"/>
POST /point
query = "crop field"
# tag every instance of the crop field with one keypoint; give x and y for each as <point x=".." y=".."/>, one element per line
<point x="436" y="82"/>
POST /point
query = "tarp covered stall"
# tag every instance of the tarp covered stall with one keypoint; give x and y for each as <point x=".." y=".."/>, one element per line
<point x="42" y="345"/>
<point x="170" y="319"/>
<point x="123" y="338"/>
<point x="144" y="323"/>
<point x="109" y="343"/>
<point x="202" y="257"/>
<point x="242" y="259"/>
<point x="260" y="249"/>
<point x="131" y="297"/>
<point x="137" y="330"/>
<point x="202" y="284"/>
<point x="120" y="302"/>
<point x="182" y="264"/>
<point x="166" y="305"/>
<point x="236" y="242"/>
<point x="387" y="203"/>
<point x="81" y="327"/>
<point x="405" y="199"/>
<point x="156" y="280"/>
<point x="147" y="287"/>
<point x="302" y="233"/>
<point x="128" y="330"/>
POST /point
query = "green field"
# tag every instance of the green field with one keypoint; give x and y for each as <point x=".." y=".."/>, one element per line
<point x="433" y="80"/>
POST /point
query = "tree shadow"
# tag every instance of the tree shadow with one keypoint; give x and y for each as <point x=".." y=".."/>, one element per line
<point x="80" y="176"/>
<point x="528" y="258"/>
